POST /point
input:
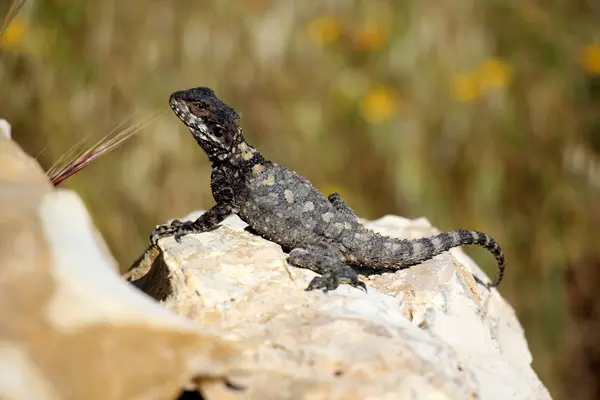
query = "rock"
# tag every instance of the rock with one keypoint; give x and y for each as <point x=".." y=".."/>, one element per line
<point x="71" y="327"/>
<point x="4" y="129"/>
<point x="232" y="319"/>
<point x="428" y="332"/>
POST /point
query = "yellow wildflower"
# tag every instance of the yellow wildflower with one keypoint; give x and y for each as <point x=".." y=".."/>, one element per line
<point x="14" y="34"/>
<point x="369" y="38"/>
<point x="465" y="86"/>
<point x="325" y="30"/>
<point x="590" y="58"/>
<point x="379" y="104"/>
<point x="494" y="73"/>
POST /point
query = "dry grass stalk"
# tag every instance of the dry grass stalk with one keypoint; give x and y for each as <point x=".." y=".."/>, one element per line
<point x="78" y="157"/>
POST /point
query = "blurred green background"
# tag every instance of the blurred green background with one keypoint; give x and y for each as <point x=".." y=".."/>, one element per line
<point x="475" y="114"/>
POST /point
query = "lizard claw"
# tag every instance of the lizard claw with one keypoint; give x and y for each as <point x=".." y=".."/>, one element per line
<point x="360" y="285"/>
<point x="154" y="240"/>
<point x="355" y="282"/>
<point x="182" y="228"/>
<point x="158" y="233"/>
<point x="176" y="228"/>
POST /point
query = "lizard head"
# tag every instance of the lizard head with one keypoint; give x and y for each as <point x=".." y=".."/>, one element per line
<point x="214" y="124"/>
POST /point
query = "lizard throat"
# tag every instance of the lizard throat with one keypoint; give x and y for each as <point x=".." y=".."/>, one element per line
<point x="213" y="150"/>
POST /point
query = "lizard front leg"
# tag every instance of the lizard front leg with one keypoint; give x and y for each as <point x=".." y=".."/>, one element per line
<point x="206" y="222"/>
<point x="333" y="271"/>
<point x="209" y="220"/>
<point x="336" y="200"/>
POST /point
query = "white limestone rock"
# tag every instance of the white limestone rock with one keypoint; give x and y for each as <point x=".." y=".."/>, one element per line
<point x="428" y="332"/>
<point x="70" y="326"/>
<point x="4" y="129"/>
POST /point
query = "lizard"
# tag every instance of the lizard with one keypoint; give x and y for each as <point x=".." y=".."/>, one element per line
<point x="319" y="233"/>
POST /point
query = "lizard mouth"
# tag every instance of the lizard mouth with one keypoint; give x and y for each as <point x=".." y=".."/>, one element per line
<point x="196" y="125"/>
<point x="180" y="109"/>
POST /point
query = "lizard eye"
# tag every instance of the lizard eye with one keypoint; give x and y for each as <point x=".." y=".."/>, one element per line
<point x="198" y="109"/>
<point x="219" y="132"/>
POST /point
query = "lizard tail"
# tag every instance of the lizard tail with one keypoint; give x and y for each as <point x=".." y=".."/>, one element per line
<point x="447" y="240"/>
<point x="405" y="253"/>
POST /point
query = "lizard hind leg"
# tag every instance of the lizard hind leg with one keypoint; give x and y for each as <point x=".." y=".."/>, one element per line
<point x="333" y="271"/>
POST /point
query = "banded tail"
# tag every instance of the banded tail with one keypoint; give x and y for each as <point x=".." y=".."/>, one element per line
<point x="447" y="240"/>
<point x="399" y="254"/>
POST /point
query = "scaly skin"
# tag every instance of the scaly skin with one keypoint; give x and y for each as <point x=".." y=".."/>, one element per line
<point x="321" y="234"/>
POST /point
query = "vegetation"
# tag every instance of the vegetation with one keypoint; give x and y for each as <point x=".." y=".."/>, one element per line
<point x="475" y="114"/>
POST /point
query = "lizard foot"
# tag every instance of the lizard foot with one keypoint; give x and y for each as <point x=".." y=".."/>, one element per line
<point x="176" y="228"/>
<point x="347" y="275"/>
<point x="331" y="280"/>
<point x="332" y="270"/>
<point x="324" y="282"/>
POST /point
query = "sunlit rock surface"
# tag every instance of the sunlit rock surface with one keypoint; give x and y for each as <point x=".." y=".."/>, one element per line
<point x="70" y="326"/>
<point x="232" y="320"/>
<point x="428" y="332"/>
